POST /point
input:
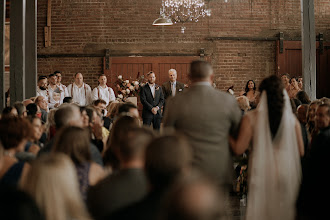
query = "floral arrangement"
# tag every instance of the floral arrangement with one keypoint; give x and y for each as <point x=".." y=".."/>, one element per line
<point x="127" y="88"/>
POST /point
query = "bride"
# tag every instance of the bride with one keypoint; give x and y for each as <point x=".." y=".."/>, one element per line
<point x="275" y="169"/>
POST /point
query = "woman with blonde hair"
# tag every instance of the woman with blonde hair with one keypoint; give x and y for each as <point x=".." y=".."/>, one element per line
<point x="52" y="182"/>
<point x="75" y="142"/>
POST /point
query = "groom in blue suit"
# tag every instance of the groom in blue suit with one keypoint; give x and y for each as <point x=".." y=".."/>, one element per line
<point x="152" y="99"/>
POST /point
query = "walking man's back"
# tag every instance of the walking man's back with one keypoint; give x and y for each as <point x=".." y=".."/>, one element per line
<point x="206" y="116"/>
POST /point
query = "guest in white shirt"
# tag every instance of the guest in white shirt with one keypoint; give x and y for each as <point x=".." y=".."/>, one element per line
<point x="59" y="84"/>
<point x="80" y="91"/>
<point x="103" y="91"/>
<point x="54" y="90"/>
<point x="42" y="87"/>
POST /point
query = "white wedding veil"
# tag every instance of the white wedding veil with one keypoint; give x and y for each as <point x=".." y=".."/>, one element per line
<point x="275" y="169"/>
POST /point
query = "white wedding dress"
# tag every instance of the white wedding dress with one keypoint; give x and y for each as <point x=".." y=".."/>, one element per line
<point x="275" y="169"/>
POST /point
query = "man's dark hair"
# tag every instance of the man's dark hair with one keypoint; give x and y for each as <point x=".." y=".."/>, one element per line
<point x="125" y="107"/>
<point x="41" y="78"/>
<point x="57" y="71"/>
<point x="327" y="106"/>
<point x="32" y="109"/>
<point x="200" y="69"/>
<point x="285" y="74"/>
<point x="97" y="102"/>
<point x="166" y="157"/>
<point x="16" y="204"/>
<point x="68" y="99"/>
<point x="52" y="74"/>
<point x="135" y="143"/>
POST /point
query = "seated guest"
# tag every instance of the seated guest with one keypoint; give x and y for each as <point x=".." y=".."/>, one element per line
<point x="303" y="97"/>
<point x="285" y="77"/>
<point x="43" y="105"/>
<point x="9" y="111"/>
<point x="37" y="130"/>
<point x="74" y="142"/>
<point x="32" y="110"/>
<point x="85" y="117"/>
<point x="69" y="115"/>
<point x="294" y="88"/>
<point x="27" y="101"/>
<point x="68" y="99"/>
<point x="113" y="112"/>
<point x="243" y="103"/>
<point x="50" y="125"/>
<point x="194" y="197"/>
<point x="167" y="158"/>
<point x="310" y="202"/>
<point x="129" y="184"/>
<point x="117" y="136"/>
<point x="21" y="109"/>
<point x="14" y="133"/>
<point x="251" y="93"/>
<point x="101" y="107"/>
<point x="311" y="128"/>
<point x="52" y="182"/>
<point x="129" y="108"/>
<point x="98" y="133"/>
<point x="18" y="205"/>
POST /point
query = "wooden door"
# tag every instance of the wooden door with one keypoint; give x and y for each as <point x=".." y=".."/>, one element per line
<point x="290" y="61"/>
<point x="133" y="67"/>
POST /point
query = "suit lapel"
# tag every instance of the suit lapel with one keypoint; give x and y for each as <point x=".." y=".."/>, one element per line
<point x="149" y="90"/>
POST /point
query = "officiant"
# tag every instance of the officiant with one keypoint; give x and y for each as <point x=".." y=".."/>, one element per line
<point x="172" y="87"/>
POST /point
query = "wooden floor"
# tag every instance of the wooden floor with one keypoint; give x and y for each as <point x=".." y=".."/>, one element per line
<point x="236" y="207"/>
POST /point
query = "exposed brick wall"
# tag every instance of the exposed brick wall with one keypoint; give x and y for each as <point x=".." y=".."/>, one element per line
<point x="124" y="26"/>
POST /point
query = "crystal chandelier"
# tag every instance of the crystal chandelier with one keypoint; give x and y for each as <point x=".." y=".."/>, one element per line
<point x="182" y="11"/>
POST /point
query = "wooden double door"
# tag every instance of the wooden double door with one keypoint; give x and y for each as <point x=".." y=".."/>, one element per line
<point x="290" y="61"/>
<point x="132" y="68"/>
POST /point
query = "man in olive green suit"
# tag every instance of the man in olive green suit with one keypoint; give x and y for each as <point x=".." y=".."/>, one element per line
<point x="206" y="116"/>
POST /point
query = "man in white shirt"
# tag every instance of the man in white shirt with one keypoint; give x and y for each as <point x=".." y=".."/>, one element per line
<point x="42" y="87"/>
<point x="59" y="84"/>
<point x="103" y="91"/>
<point x="56" y="95"/>
<point x="80" y="91"/>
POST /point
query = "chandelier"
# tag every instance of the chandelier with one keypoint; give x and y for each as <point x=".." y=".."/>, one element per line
<point x="182" y="11"/>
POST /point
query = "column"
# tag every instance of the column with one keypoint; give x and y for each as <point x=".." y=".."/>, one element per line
<point x="31" y="49"/>
<point x="2" y="54"/>
<point x="308" y="47"/>
<point x="17" y="50"/>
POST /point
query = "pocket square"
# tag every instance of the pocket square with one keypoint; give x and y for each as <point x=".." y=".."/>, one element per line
<point x="180" y="90"/>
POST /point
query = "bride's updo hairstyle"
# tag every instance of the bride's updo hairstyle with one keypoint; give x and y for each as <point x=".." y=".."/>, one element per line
<point x="275" y="100"/>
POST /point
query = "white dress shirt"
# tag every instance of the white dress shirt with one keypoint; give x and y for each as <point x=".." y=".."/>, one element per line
<point x="43" y="93"/>
<point x="106" y="94"/>
<point x="82" y="96"/>
<point x="64" y="88"/>
<point x="152" y="88"/>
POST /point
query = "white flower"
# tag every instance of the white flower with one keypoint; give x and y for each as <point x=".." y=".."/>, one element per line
<point x="128" y="91"/>
<point x="127" y="81"/>
<point x="120" y="96"/>
<point x="123" y="91"/>
<point x="120" y="77"/>
<point x="136" y="83"/>
<point x="131" y="88"/>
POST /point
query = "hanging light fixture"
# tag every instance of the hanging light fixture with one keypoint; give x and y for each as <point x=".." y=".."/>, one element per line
<point x="182" y="11"/>
<point x="162" y="20"/>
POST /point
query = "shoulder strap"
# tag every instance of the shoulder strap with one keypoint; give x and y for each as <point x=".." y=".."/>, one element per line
<point x="72" y="90"/>
<point x="98" y="92"/>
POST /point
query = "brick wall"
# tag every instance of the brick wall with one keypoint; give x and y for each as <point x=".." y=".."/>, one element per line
<point x="124" y="26"/>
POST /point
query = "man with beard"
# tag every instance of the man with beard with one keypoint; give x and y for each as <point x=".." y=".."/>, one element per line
<point x="152" y="99"/>
<point x="42" y="87"/>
